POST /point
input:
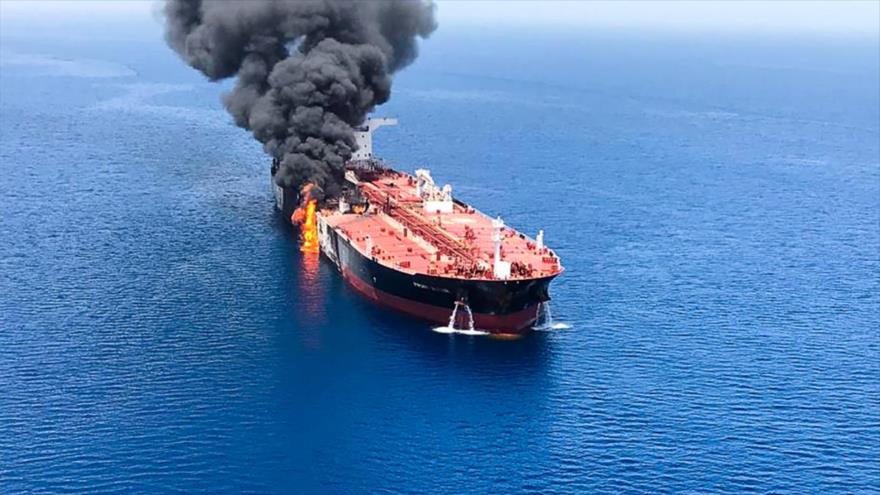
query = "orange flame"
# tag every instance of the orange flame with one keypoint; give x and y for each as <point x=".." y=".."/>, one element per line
<point x="309" y="228"/>
<point x="307" y="218"/>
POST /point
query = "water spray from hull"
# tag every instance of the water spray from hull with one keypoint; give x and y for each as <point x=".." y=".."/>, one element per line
<point x="544" y="321"/>
<point x="453" y="321"/>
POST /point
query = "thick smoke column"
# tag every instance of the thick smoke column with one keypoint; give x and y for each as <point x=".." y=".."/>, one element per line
<point x="308" y="71"/>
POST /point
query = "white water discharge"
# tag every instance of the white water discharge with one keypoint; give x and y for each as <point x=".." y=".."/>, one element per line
<point x="450" y="327"/>
<point x="545" y="322"/>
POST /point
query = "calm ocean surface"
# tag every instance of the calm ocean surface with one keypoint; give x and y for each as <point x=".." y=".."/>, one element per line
<point x="716" y="202"/>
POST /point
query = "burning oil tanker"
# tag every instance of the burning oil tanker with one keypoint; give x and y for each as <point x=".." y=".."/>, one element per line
<point x="307" y="74"/>
<point x="407" y="244"/>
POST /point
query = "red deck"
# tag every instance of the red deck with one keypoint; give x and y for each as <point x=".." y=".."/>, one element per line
<point x="455" y="244"/>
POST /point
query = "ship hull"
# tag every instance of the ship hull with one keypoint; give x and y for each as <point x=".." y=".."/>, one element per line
<point x="497" y="306"/>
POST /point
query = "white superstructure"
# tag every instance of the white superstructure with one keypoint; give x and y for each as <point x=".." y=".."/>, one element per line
<point x="364" y="137"/>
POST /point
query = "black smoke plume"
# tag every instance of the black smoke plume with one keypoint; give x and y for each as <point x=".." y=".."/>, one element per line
<point x="307" y="71"/>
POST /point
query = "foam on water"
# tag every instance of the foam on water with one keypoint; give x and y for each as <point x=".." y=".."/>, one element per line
<point x="459" y="331"/>
<point x="552" y="326"/>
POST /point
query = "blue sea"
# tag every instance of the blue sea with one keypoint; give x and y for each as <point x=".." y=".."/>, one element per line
<point x="715" y="199"/>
